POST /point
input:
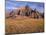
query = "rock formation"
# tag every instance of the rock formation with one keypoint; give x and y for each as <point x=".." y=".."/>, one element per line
<point x="25" y="11"/>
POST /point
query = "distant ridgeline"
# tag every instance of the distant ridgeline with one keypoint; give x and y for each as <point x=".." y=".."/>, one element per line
<point x="26" y="11"/>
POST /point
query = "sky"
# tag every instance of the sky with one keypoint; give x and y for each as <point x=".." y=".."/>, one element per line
<point x="13" y="4"/>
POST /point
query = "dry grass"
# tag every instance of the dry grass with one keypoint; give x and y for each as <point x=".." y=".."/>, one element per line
<point x="24" y="25"/>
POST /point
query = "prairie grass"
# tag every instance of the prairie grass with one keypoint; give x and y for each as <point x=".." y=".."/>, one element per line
<point x="23" y="25"/>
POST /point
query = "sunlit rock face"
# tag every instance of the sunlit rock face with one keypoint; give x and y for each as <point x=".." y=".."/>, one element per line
<point x="25" y="11"/>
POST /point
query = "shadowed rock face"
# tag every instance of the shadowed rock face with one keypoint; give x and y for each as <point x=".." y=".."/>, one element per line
<point x="25" y="11"/>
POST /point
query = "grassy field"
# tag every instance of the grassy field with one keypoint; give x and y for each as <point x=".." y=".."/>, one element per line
<point x="24" y="25"/>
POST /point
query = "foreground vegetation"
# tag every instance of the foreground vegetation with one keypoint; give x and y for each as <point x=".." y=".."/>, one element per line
<point x="24" y="25"/>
